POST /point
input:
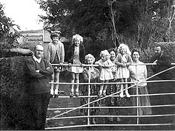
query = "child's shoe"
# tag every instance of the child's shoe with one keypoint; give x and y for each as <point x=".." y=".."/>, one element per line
<point x="127" y="93"/>
<point x="56" y="92"/>
<point x="71" y="93"/>
<point x="52" y="92"/>
<point x="100" y="94"/>
<point x="77" y="93"/>
<point x="104" y="92"/>
<point x="121" y="94"/>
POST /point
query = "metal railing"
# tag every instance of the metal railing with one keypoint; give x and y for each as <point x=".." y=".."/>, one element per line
<point x="115" y="94"/>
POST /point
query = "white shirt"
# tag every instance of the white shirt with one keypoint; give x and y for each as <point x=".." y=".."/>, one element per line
<point x="138" y="73"/>
<point x="36" y="59"/>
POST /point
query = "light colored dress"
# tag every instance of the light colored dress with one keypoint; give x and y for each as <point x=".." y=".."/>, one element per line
<point x="105" y="72"/>
<point x="139" y="74"/>
<point x="76" y="60"/>
<point x="122" y="72"/>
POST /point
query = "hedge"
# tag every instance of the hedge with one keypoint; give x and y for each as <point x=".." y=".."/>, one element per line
<point x="13" y="98"/>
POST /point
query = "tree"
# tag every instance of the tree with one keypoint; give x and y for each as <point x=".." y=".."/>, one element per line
<point x="5" y="22"/>
<point x="135" y="22"/>
<point x="8" y="35"/>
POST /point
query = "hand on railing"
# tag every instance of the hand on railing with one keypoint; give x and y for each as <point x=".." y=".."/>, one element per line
<point x="69" y="65"/>
<point x="136" y="82"/>
<point x="155" y="61"/>
<point x="82" y="65"/>
<point x="61" y="66"/>
<point x="96" y="64"/>
<point x="128" y="64"/>
<point x="55" y="67"/>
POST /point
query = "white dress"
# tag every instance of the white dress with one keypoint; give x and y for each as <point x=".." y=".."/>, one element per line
<point x="105" y="73"/>
<point x="122" y="72"/>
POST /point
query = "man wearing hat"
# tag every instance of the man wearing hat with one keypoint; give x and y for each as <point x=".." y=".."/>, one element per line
<point x="55" y="54"/>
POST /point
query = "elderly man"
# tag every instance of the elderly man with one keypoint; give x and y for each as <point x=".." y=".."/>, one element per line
<point x="38" y="71"/>
<point x="163" y="62"/>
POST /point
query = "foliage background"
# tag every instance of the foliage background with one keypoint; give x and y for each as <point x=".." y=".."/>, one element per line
<point x="106" y="23"/>
<point x="138" y="23"/>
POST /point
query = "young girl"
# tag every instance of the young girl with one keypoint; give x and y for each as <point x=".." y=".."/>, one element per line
<point x="123" y="60"/>
<point x="105" y="71"/>
<point x="55" y="55"/>
<point x="76" y="53"/>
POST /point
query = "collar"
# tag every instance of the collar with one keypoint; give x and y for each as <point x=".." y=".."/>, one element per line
<point x="36" y="59"/>
<point x="161" y="54"/>
<point x="56" y="42"/>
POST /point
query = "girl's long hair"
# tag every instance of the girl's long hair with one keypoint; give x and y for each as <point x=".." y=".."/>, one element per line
<point x="77" y="37"/>
<point x="126" y="48"/>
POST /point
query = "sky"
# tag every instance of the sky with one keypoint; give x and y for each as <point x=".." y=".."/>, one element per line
<point x="24" y="13"/>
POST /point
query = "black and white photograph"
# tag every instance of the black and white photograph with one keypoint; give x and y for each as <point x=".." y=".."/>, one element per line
<point x="87" y="65"/>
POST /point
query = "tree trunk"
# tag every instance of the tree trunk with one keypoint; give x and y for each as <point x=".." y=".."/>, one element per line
<point x="114" y="32"/>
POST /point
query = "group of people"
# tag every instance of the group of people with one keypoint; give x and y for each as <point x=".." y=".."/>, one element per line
<point x="122" y="65"/>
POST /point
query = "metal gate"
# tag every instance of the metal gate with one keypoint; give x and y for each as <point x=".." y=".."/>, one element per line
<point x="88" y="107"/>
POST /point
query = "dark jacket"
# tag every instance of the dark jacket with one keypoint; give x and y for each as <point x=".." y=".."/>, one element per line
<point x="38" y="81"/>
<point x="70" y="53"/>
<point x="163" y="63"/>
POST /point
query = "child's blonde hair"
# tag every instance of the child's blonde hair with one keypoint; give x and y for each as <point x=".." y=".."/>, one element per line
<point x="105" y="53"/>
<point x="77" y="37"/>
<point x="125" y="46"/>
<point x="89" y="56"/>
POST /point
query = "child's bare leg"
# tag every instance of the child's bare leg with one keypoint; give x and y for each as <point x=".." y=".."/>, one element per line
<point x="52" y="85"/>
<point x="72" y="86"/>
<point x="121" y="93"/>
<point x="77" y="81"/>
<point x="105" y="88"/>
<point x="57" y="76"/>
<point x="126" y="91"/>
<point x="101" y="90"/>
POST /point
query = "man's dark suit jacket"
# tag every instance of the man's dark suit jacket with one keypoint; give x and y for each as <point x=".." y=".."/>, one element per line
<point x="163" y="63"/>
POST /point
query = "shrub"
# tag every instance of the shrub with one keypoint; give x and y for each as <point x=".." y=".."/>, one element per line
<point x="13" y="85"/>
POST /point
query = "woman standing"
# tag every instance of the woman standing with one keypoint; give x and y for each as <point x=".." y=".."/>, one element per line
<point x="113" y="55"/>
<point x="91" y="75"/>
<point x="138" y="75"/>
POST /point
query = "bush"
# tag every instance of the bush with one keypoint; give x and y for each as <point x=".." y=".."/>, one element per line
<point x="13" y="85"/>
